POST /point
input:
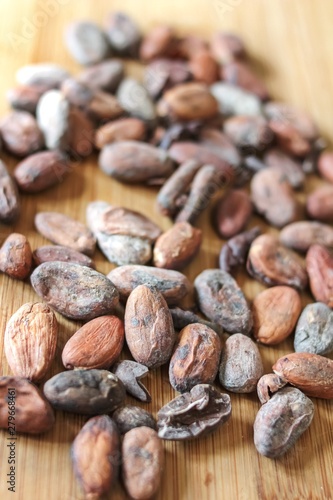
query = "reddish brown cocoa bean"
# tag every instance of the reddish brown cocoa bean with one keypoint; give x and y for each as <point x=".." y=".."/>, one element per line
<point x="289" y="139"/>
<point x="275" y="314"/>
<point x="296" y="118"/>
<point x="124" y="129"/>
<point x="273" y="264"/>
<point x="20" y="133"/>
<point x="311" y="373"/>
<point x="150" y="334"/>
<point x="65" y="231"/>
<point x="162" y="74"/>
<point x="227" y="47"/>
<point x="41" y="171"/>
<point x="177" y="247"/>
<point x="268" y="385"/>
<point x="288" y="166"/>
<point x="9" y="198"/>
<point x="319" y="265"/>
<point x="248" y="132"/>
<point x="301" y="235"/>
<point x="319" y="204"/>
<point x="219" y="143"/>
<point x="325" y="165"/>
<point x="51" y="253"/>
<point x="188" y="101"/>
<point x="157" y="43"/>
<point x="196" y="358"/>
<point x="203" y="67"/>
<point x="25" y="97"/>
<point x="232" y="213"/>
<point x="16" y="257"/>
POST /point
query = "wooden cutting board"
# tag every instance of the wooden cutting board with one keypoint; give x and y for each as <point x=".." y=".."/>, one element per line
<point x="291" y="45"/>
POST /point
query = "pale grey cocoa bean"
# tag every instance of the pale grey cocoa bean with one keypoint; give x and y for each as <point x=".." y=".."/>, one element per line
<point x="48" y="74"/>
<point x="134" y="98"/>
<point x="86" y="42"/>
<point x="75" y="291"/>
<point x="222" y="301"/>
<point x="103" y="76"/>
<point x="241" y="365"/>
<point x="52" y="116"/>
<point x="281" y="421"/>
<point x="123" y="34"/>
<point x="235" y="101"/>
<point x="314" y="330"/>
<point x="88" y="392"/>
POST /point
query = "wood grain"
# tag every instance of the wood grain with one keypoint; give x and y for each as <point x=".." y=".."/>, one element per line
<point x="291" y="46"/>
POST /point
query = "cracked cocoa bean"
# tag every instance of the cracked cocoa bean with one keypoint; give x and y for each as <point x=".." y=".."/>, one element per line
<point x="234" y="252"/>
<point x="130" y="373"/>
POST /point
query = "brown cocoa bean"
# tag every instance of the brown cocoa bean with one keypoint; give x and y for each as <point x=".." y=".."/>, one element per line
<point x="95" y="455"/>
<point x="289" y="139"/>
<point x="25" y="97"/>
<point x="80" y="136"/>
<point x="182" y="318"/>
<point x="130" y="373"/>
<point x="232" y="213"/>
<point x="222" y="301"/>
<point x="319" y="204"/>
<point x="275" y="314"/>
<point x="281" y="421"/>
<point x="314" y="330"/>
<point x="203" y="67"/>
<point x="289" y="167"/>
<point x="273" y="264"/>
<point x="20" y="134"/>
<point x="268" y="385"/>
<point x="234" y="252"/>
<point x="173" y="285"/>
<point x="162" y="74"/>
<point x="227" y="47"/>
<point x="65" y="231"/>
<point x="194" y="414"/>
<point x="130" y="417"/>
<point x="157" y="43"/>
<point x="9" y="198"/>
<point x="248" y="132"/>
<point x="16" y="257"/>
<point x="240" y="73"/>
<point x="273" y="197"/>
<point x="195" y="359"/>
<point x="80" y="351"/>
<point x="188" y="101"/>
<point x="33" y="413"/>
<point x="325" y="165"/>
<point x="88" y="392"/>
<point x="177" y="247"/>
<point x="41" y="171"/>
<point x="287" y="113"/>
<point x="51" y="253"/>
<point x="319" y="265"/>
<point x="75" y="291"/>
<point x="241" y="365"/>
<point x="149" y="330"/>
<point x="105" y="75"/>
<point x="301" y="235"/>
<point x="220" y="144"/>
<point x="31" y="341"/>
<point x="143" y="462"/>
<point x="124" y="129"/>
<point x="311" y="373"/>
<point x="131" y="161"/>
<point x="49" y="75"/>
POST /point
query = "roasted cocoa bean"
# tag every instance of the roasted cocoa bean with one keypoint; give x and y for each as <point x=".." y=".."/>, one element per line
<point x="194" y="414"/>
<point x="268" y="385"/>
<point x="319" y="204"/>
<point x="16" y="257"/>
<point x="162" y="74"/>
<point x="130" y="417"/>
<point x="142" y="462"/>
<point x="273" y="264"/>
<point x="182" y="318"/>
<point x="75" y="291"/>
<point x="248" y="132"/>
<point x="281" y="421"/>
<point x="289" y="167"/>
<point x="149" y="330"/>
<point x="203" y="67"/>
<point x="275" y="314"/>
<point x="174" y="286"/>
<point x="234" y="252"/>
<point x="232" y="213"/>
<point x="288" y="114"/>
<point x="222" y="301"/>
<point x="25" y="97"/>
<point x="88" y="392"/>
<point x="157" y="43"/>
<point x="311" y="373"/>
<point x="20" y="134"/>
<point x="124" y="129"/>
<point x="41" y="171"/>
<point x="105" y="75"/>
<point x="188" y="101"/>
<point x="241" y="365"/>
<point x="325" y="165"/>
<point x="227" y="47"/>
<point x="289" y="139"/>
<point x="130" y="373"/>
<point x="33" y="413"/>
<point x="65" y="231"/>
<point x="301" y="235"/>
<point x="9" y="198"/>
<point x="51" y="253"/>
<point x="195" y="359"/>
<point x="319" y="265"/>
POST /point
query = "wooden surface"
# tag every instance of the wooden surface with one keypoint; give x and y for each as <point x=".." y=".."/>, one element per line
<point x="291" y="44"/>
